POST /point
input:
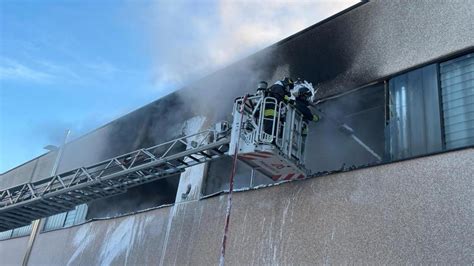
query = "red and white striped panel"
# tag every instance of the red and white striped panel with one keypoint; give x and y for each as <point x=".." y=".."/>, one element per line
<point x="278" y="168"/>
<point x="256" y="155"/>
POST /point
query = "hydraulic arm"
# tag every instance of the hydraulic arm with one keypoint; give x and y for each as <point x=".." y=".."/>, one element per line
<point x="272" y="146"/>
<point x="19" y="205"/>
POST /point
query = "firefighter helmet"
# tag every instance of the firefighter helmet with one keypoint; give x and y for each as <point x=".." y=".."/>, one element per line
<point x="262" y="86"/>
<point x="288" y="82"/>
<point x="304" y="90"/>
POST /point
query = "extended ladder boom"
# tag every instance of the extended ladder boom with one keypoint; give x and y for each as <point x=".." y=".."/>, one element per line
<point x="19" y="205"/>
<point x="271" y="144"/>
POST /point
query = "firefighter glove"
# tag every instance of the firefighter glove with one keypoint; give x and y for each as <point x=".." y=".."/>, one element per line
<point x="315" y="118"/>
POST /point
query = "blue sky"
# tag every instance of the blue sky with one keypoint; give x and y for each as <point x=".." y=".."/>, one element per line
<point x="65" y="65"/>
<point x="79" y="64"/>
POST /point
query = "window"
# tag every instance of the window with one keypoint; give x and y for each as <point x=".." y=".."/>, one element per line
<point x="457" y="90"/>
<point x="414" y="125"/>
<point x="60" y="220"/>
<point x="65" y="219"/>
<point x="350" y="133"/>
<point x="6" y="234"/>
<point x="21" y="231"/>
<point x="17" y="232"/>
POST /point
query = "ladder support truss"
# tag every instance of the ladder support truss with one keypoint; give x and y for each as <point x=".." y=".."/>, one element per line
<point x="19" y="205"/>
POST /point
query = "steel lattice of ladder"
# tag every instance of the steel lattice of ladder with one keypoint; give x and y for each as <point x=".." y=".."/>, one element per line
<point x="19" y="205"/>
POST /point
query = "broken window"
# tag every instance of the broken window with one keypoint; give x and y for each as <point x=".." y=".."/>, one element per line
<point x="350" y="133"/>
<point x="218" y="174"/>
<point x="149" y="195"/>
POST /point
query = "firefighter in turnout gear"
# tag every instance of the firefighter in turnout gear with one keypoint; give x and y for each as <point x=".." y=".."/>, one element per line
<point x="281" y="91"/>
<point x="304" y="94"/>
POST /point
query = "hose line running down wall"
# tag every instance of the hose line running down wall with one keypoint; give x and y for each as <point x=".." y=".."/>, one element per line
<point x="231" y="186"/>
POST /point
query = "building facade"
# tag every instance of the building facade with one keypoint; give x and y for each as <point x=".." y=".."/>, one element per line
<point x="401" y="74"/>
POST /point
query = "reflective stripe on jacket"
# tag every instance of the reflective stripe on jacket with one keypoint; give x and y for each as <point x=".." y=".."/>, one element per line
<point x="269" y="112"/>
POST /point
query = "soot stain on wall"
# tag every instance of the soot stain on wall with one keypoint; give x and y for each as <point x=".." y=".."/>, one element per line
<point x="343" y="53"/>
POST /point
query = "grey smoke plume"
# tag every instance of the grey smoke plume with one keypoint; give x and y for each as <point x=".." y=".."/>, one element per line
<point x="191" y="40"/>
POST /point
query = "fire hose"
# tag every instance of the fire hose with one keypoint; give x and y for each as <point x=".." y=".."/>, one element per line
<point x="231" y="186"/>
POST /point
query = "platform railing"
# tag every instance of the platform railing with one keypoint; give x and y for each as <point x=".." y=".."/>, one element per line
<point x="286" y="124"/>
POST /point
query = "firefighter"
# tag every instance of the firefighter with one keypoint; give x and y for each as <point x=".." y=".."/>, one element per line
<point x="281" y="91"/>
<point x="304" y="96"/>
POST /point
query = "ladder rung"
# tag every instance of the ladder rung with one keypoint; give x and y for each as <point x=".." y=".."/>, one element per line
<point x="194" y="158"/>
<point x="182" y="162"/>
<point x="218" y="152"/>
<point x="205" y="154"/>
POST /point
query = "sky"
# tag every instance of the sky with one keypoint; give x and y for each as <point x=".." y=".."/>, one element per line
<point x="78" y="65"/>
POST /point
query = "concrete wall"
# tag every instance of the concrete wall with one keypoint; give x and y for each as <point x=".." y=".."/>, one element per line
<point x="12" y="251"/>
<point x="36" y="169"/>
<point x="407" y="212"/>
<point x="368" y="43"/>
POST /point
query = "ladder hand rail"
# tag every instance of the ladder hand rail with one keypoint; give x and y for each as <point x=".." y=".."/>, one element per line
<point x="96" y="171"/>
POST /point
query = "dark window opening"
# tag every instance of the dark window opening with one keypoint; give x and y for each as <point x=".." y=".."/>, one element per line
<point x="148" y="195"/>
<point x="153" y="194"/>
<point x="350" y="133"/>
<point x="218" y="174"/>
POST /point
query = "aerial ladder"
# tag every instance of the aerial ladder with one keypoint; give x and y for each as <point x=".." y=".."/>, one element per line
<point x="273" y="146"/>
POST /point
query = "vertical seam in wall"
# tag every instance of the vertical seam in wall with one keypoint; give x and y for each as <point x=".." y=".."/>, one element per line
<point x="34" y="170"/>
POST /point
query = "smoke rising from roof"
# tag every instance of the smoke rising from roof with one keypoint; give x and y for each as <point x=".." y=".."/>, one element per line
<point x="192" y="39"/>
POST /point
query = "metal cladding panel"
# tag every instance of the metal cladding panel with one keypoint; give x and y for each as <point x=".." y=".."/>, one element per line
<point x="457" y="86"/>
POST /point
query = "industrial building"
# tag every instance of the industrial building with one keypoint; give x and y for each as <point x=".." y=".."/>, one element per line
<point x="400" y="73"/>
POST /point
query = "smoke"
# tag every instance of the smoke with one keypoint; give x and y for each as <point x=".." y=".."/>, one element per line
<point x="189" y="41"/>
<point x="329" y="148"/>
<point x="193" y="38"/>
